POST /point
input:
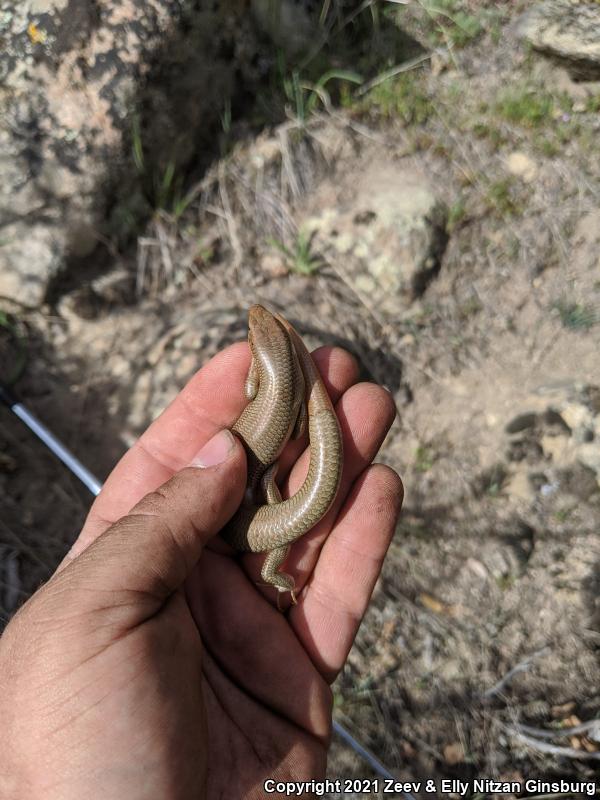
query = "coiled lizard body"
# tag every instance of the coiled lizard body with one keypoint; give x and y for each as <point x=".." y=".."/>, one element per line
<point x="285" y="390"/>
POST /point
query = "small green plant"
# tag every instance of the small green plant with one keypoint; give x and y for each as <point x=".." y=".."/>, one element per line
<point x="496" y="30"/>
<point x="457" y="213"/>
<point x="465" y="28"/>
<point x="317" y="91"/>
<point x="445" y="22"/>
<point x="226" y="117"/>
<point x="162" y="190"/>
<point x="501" y="197"/>
<point x="513" y="246"/>
<point x="548" y="146"/>
<point x="424" y="682"/>
<point x="304" y="95"/>
<point x="453" y="23"/>
<point x="485" y="130"/>
<point x="204" y="252"/>
<point x="563" y="514"/>
<point x="525" y="106"/>
<point x="299" y="257"/>
<point x="226" y="127"/>
<point x="492" y="480"/>
<point x="295" y="95"/>
<point x="592" y="105"/>
<point x="576" y="316"/>
<point x="469" y="308"/>
<point x="505" y="582"/>
<point x="424" y="458"/>
<point x="400" y="97"/>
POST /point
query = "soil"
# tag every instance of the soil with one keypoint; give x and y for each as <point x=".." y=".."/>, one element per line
<point x="486" y="616"/>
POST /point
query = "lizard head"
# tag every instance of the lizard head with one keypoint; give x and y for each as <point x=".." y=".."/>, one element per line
<point x="264" y="330"/>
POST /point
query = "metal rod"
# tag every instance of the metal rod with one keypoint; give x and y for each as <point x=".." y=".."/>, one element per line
<point x="366" y="755"/>
<point x="51" y="442"/>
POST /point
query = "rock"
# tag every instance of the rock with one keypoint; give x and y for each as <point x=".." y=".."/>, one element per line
<point x="559" y="448"/>
<point x="79" y="81"/>
<point x="579" y="419"/>
<point x="526" y="449"/>
<point x="116" y="288"/>
<point x="273" y="265"/>
<point x="568" y="30"/>
<point x="519" y="487"/>
<point x="522" y="165"/>
<point x="68" y="71"/>
<point x="590" y="397"/>
<point x="559" y="80"/>
<point x="508" y="557"/>
<point x="30" y="255"/>
<point x="389" y="232"/>
<point x="580" y="481"/>
<point x="454" y="754"/>
<point x="589" y="455"/>
<point x="565" y="436"/>
<point x="522" y="422"/>
<point x="477" y="568"/>
<point x="97" y="298"/>
<point x="554" y="422"/>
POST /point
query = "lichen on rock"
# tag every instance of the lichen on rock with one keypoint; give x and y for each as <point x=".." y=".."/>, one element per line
<point x="568" y="30"/>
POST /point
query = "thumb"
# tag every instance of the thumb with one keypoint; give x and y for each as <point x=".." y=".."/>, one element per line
<point x="150" y="552"/>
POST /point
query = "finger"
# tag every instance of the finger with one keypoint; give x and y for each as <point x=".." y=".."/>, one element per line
<point x="210" y="400"/>
<point x="146" y="555"/>
<point x="338" y="591"/>
<point x="339" y="370"/>
<point x="255" y="642"/>
<point x="365" y="413"/>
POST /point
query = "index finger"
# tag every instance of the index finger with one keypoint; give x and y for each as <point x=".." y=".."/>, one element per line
<point x="210" y="401"/>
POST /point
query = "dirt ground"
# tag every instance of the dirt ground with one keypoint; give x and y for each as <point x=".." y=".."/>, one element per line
<point x="486" y="616"/>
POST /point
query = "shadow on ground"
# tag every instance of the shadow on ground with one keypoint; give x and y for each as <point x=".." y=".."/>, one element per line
<point x="42" y="505"/>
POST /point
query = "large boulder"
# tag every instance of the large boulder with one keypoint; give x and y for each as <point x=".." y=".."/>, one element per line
<point x="68" y="70"/>
<point x="386" y="229"/>
<point x="83" y="85"/>
<point x="568" y="30"/>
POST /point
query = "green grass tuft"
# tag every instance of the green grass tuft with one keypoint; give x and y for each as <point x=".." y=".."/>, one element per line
<point x="502" y="199"/>
<point x="576" y="316"/>
<point x="299" y="257"/>
<point x="525" y="106"/>
<point x="401" y="97"/>
<point x="424" y="458"/>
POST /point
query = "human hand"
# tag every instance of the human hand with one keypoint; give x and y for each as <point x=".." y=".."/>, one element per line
<point x="151" y="665"/>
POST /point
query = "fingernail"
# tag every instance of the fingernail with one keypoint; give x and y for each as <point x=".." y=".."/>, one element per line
<point x="215" y="451"/>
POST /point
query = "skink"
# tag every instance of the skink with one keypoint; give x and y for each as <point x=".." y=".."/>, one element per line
<point x="284" y="388"/>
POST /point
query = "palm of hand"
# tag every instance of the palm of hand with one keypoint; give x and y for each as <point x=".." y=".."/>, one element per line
<point x="268" y="709"/>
